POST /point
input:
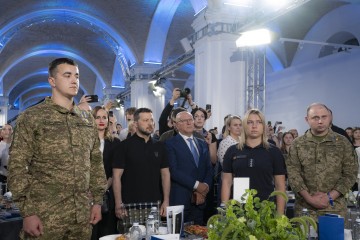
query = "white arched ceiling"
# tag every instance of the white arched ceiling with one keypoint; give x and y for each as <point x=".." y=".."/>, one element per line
<point x="342" y="19"/>
<point x="38" y="72"/>
<point x="38" y="86"/>
<point x="115" y="41"/>
<point x="49" y="52"/>
<point x="158" y="30"/>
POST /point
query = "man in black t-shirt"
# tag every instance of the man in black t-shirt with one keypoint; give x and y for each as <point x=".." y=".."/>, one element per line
<point x="140" y="167"/>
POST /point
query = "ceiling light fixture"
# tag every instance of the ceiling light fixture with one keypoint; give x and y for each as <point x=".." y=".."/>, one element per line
<point x="254" y="38"/>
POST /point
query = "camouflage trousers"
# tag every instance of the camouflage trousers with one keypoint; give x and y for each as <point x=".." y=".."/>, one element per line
<point x="62" y="224"/>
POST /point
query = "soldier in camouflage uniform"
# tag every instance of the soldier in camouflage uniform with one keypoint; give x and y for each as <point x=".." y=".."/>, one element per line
<point x="56" y="168"/>
<point x="321" y="166"/>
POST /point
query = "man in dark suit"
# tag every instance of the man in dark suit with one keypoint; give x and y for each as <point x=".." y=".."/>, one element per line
<point x="190" y="169"/>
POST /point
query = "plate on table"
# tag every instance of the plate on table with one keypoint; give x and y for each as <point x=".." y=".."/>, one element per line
<point x="114" y="237"/>
<point x="196" y="230"/>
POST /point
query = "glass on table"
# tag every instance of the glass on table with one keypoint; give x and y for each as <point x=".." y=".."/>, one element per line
<point x="163" y="228"/>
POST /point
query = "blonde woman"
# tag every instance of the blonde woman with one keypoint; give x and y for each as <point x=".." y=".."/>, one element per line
<point x="231" y="135"/>
<point x="253" y="157"/>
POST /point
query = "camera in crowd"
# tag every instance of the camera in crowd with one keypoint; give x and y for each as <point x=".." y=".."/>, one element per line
<point x="185" y="92"/>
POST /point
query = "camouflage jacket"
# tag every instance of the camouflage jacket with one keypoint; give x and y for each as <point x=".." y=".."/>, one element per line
<point x="321" y="167"/>
<point x="54" y="158"/>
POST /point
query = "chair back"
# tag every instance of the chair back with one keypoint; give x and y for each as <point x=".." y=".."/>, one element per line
<point x="137" y="212"/>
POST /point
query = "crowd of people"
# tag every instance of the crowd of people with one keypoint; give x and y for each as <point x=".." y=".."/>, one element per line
<point x="64" y="158"/>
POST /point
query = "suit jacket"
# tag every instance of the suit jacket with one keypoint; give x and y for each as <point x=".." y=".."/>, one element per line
<point x="183" y="170"/>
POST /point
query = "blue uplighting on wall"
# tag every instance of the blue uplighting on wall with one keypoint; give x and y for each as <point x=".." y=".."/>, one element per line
<point x="273" y="59"/>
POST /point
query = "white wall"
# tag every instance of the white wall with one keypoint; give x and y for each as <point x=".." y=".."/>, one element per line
<point x="333" y="80"/>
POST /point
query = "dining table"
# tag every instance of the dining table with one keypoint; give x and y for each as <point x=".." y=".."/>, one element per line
<point x="10" y="220"/>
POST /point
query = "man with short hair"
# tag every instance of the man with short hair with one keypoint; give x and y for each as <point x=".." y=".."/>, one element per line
<point x="140" y="164"/>
<point x="322" y="166"/>
<point x="56" y="172"/>
<point x="173" y="132"/>
<point x="190" y="168"/>
<point x="129" y="114"/>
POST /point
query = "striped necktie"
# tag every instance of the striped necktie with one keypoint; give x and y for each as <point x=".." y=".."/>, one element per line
<point x="193" y="151"/>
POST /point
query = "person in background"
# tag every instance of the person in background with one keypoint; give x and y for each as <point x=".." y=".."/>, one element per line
<point x="272" y="137"/>
<point x="108" y="223"/>
<point x="356" y="144"/>
<point x="356" y="137"/>
<point x="294" y="132"/>
<point x="214" y="131"/>
<point x="221" y="135"/>
<point x="131" y="128"/>
<point x="231" y="136"/>
<point x="118" y="128"/>
<point x="84" y="103"/>
<point x="253" y="157"/>
<point x="6" y="135"/>
<point x="349" y="132"/>
<point x="321" y="166"/>
<point x="129" y="114"/>
<point x="287" y="139"/>
<point x="156" y="135"/>
<point x="166" y="122"/>
<point x="337" y="129"/>
<point x="190" y="168"/>
<point x="200" y="116"/>
<point x="56" y="174"/>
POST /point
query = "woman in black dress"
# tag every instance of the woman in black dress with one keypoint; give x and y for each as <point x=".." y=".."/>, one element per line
<point x="108" y="224"/>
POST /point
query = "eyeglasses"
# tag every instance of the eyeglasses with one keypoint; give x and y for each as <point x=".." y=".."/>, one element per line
<point x="257" y="122"/>
<point x="190" y="120"/>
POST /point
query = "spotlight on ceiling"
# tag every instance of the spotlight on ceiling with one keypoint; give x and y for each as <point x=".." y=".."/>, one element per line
<point x="254" y="38"/>
<point x="157" y="87"/>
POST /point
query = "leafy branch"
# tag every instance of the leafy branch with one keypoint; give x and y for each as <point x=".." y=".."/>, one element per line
<point x="256" y="219"/>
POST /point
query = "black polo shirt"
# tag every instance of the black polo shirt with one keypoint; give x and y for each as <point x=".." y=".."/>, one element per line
<point x="142" y="162"/>
<point x="259" y="164"/>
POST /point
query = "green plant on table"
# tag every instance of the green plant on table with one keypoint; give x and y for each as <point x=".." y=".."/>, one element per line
<point x="256" y="219"/>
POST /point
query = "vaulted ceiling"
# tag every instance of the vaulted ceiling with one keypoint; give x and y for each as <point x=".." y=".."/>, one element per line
<point x="107" y="38"/>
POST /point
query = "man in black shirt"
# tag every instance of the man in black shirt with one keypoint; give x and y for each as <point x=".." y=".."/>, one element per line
<point x="139" y="165"/>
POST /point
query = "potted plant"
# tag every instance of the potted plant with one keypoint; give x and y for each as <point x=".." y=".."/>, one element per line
<point x="256" y="219"/>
